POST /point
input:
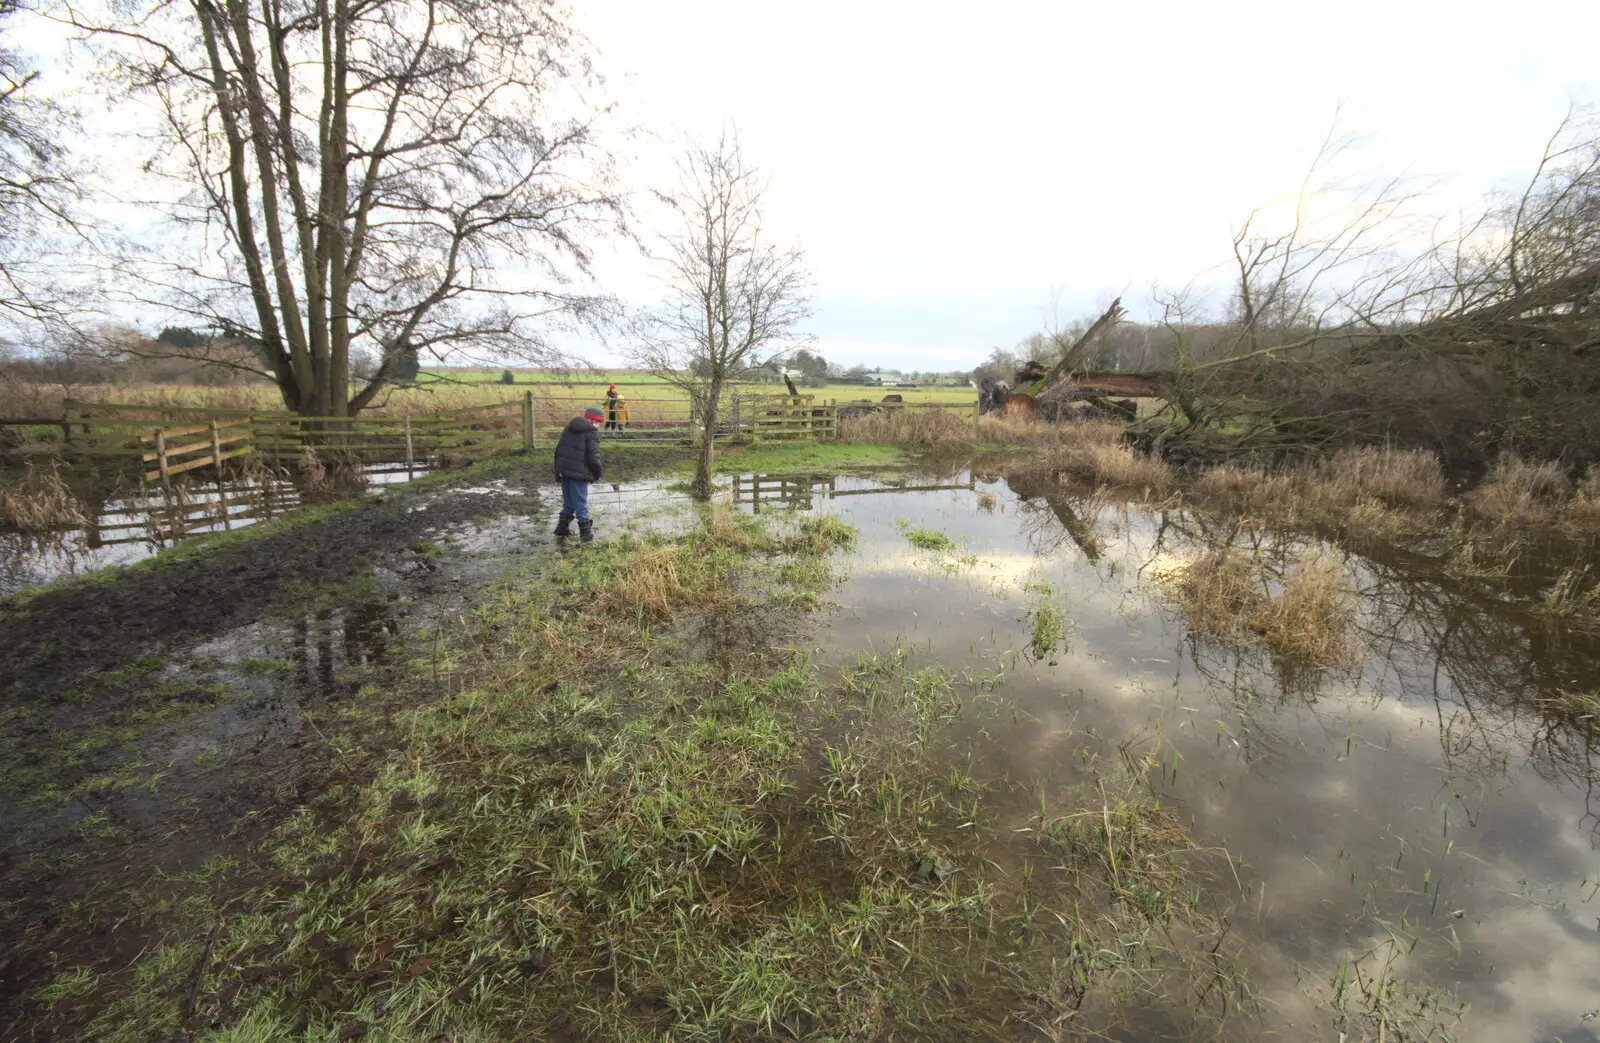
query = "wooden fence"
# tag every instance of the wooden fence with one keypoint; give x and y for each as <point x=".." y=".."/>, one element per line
<point x="178" y="439"/>
<point x="170" y="459"/>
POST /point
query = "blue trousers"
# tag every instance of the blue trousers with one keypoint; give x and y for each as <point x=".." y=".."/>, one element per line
<point x="575" y="498"/>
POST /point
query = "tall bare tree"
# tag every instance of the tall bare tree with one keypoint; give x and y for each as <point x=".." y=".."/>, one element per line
<point x="384" y="176"/>
<point x="36" y="188"/>
<point x="735" y="299"/>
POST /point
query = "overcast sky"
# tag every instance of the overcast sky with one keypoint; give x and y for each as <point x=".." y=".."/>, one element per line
<point x="948" y="167"/>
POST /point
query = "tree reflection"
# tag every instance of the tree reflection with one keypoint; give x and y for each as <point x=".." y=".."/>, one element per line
<point x="1494" y="667"/>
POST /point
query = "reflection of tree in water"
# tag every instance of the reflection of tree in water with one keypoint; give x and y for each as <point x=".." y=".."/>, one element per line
<point x="1495" y="666"/>
<point x="1053" y="518"/>
<point x="330" y="639"/>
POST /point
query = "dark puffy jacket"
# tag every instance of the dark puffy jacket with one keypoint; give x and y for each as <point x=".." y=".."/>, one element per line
<point x="578" y="452"/>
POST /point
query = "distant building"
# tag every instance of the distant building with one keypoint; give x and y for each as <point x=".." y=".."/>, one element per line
<point x="883" y="378"/>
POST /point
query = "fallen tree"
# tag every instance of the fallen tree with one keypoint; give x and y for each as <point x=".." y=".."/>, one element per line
<point x="1483" y="343"/>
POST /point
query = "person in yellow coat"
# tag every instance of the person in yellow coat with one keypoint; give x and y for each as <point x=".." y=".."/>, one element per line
<point x="620" y="412"/>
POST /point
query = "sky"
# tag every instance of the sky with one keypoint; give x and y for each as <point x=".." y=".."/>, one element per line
<point x="953" y="169"/>
<point x="961" y="174"/>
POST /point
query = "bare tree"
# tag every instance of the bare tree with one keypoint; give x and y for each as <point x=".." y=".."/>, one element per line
<point x="35" y="186"/>
<point x="379" y="176"/>
<point x="735" y="300"/>
<point x="1344" y="325"/>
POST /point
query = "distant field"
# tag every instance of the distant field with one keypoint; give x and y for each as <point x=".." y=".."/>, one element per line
<point x="581" y="386"/>
<point x="550" y="395"/>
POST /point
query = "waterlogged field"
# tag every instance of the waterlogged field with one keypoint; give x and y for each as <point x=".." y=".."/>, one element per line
<point x="915" y="755"/>
<point x="1409" y="831"/>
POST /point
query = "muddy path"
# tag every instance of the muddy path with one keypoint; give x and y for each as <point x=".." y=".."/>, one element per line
<point x="161" y="720"/>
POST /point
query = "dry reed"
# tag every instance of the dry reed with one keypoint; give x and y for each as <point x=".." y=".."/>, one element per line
<point x="1107" y="464"/>
<point x="1584" y="509"/>
<point x="918" y="428"/>
<point x="1519" y="492"/>
<point x="1009" y="429"/>
<point x="1225" y="594"/>
<point x="1219" y="592"/>
<point x="1402" y="477"/>
<point x="39" y="501"/>
<point x="1310" y="617"/>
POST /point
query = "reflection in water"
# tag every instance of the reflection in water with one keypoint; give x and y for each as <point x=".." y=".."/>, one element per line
<point x="1426" y="813"/>
<point x="127" y="526"/>
<point x="330" y="639"/>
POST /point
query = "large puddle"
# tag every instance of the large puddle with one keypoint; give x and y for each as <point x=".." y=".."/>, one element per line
<point x="1410" y="834"/>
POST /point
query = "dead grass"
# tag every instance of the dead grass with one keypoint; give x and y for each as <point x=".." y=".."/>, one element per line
<point x="1220" y="592"/>
<point x="329" y="473"/>
<point x="1519" y="492"/>
<point x="1007" y="429"/>
<point x="1232" y="482"/>
<point x="39" y="501"/>
<point x="1584" y="511"/>
<point x="917" y="428"/>
<point x="1106" y="464"/>
<point x="1401" y="477"/>
<point x="1372" y="519"/>
<point x="1310" y="618"/>
<point x="1225" y="594"/>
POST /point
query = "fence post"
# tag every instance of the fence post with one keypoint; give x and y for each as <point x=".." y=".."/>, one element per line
<point x="410" y="454"/>
<point x="216" y="450"/>
<point x="161" y="458"/>
<point x="527" y="420"/>
<point x="738" y="432"/>
<point x="977" y="425"/>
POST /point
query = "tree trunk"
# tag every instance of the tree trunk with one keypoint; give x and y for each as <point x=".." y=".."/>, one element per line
<point x="702" y="471"/>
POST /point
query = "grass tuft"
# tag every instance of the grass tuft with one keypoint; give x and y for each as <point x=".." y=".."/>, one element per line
<point x="1519" y="492"/>
<point x="1226" y="594"/>
<point x="39" y="501"/>
<point x="929" y="539"/>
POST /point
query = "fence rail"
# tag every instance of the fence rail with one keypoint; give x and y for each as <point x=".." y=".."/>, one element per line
<point x="179" y="439"/>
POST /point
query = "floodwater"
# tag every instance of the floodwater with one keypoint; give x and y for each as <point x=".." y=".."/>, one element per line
<point x="1414" y="819"/>
<point x="130" y="525"/>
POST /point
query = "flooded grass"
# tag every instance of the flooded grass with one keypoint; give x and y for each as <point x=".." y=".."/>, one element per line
<point x="1519" y="492"/>
<point x="989" y="800"/>
<point x="600" y="834"/>
<point x="1226" y="593"/>
<point x="928" y="539"/>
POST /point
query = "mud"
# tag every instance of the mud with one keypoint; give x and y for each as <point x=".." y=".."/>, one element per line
<point x="161" y="720"/>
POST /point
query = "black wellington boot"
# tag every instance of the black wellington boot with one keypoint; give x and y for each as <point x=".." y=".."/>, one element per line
<point x="564" y="525"/>
<point x="586" y="530"/>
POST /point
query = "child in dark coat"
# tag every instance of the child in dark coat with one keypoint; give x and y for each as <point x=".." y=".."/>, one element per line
<point x="578" y="464"/>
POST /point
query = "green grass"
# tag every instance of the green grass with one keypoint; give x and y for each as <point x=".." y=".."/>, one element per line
<point x="616" y="820"/>
<point x="799" y="457"/>
<point x="929" y="539"/>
